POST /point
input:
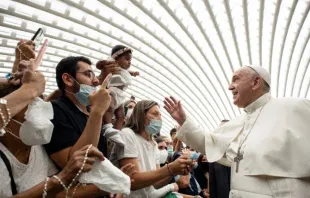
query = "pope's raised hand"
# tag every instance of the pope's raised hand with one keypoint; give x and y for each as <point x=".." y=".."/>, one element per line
<point x="175" y="109"/>
<point x="100" y="99"/>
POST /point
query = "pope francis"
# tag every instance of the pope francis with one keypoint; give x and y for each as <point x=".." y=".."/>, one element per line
<point x="268" y="147"/>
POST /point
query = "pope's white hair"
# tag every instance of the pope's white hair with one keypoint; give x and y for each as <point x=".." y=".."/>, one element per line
<point x="253" y="73"/>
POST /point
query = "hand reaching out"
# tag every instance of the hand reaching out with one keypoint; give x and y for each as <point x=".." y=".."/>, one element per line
<point x="134" y="73"/>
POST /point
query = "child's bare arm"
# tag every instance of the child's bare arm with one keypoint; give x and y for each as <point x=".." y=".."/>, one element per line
<point x="120" y="117"/>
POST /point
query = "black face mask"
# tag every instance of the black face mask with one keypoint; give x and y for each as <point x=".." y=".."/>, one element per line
<point x="205" y="166"/>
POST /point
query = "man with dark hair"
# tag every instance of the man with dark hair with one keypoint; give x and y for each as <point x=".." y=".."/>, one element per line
<point x="78" y="112"/>
<point x="70" y="66"/>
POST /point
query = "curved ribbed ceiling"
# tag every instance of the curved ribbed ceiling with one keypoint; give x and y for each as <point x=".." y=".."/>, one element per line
<point x="184" y="48"/>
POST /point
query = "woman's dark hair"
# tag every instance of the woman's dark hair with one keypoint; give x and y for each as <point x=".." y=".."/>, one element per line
<point x="68" y="65"/>
<point x="159" y="140"/>
<point x="199" y="162"/>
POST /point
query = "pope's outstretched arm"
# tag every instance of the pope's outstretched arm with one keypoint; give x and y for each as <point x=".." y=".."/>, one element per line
<point x="189" y="133"/>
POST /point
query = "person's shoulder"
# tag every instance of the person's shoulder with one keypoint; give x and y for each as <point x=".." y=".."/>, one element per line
<point x="61" y="106"/>
<point x="128" y="132"/>
<point x="59" y="102"/>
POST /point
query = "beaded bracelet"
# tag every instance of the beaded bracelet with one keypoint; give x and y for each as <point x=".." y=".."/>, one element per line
<point x="5" y="122"/>
<point x="75" y="189"/>
<point x="45" y="188"/>
<point x="63" y="185"/>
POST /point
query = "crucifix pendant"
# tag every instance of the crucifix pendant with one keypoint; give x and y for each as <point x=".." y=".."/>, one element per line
<point x="237" y="159"/>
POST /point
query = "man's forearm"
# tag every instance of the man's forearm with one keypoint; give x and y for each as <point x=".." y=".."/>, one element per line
<point x="91" y="133"/>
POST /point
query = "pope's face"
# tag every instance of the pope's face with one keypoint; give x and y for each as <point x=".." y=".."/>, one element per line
<point x="241" y="87"/>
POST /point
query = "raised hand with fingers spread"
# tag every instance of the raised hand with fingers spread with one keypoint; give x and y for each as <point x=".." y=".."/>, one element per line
<point x="175" y="109"/>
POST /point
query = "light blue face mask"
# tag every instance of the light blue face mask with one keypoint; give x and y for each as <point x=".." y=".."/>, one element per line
<point x="154" y="127"/>
<point x="194" y="155"/>
<point x="170" y="151"/>
<point x="82" y="95"/>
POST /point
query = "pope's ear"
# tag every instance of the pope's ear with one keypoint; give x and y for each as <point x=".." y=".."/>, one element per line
<point x="258" y="81"/>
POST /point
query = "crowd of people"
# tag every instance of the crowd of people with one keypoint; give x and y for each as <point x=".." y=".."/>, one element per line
<point x="49" y="143"/>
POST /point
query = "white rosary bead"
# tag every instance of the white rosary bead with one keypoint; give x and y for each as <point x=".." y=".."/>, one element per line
<point x="45" y="188"/>
<point x="81" y="169"/>
<point x="2" y="131"/>
<point x="63" y="185"/>
<point x="75" y="189"/>
<point x="5" y="122"/>
<point x="72" y="182"/>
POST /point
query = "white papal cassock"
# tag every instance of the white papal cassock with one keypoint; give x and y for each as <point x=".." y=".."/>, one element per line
<point x="276" y="148"/>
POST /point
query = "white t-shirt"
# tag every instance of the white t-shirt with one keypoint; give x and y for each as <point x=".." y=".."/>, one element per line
<point x="25" y="175"/>
<point x="146" y="153"/>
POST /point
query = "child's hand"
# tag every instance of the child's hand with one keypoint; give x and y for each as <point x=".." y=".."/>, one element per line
<point x="134" y="73"/>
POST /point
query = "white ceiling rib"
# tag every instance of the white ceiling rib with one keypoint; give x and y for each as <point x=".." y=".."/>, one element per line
<point x="185" y="48"/>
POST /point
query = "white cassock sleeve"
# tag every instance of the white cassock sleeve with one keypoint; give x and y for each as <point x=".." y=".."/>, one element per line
<point x="193" y="135"/>
<point x="212" y="143"/>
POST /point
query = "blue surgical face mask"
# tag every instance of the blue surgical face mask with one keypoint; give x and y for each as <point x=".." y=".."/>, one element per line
<point x="194" y="155"/>
<point x="170" y="151"/>
<point x="82" y="95"/>
<point x="154" y="127"/>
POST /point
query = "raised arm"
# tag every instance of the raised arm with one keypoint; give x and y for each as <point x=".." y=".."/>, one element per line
<point x="189" y="132"/>
<point x="33" y="86"/>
